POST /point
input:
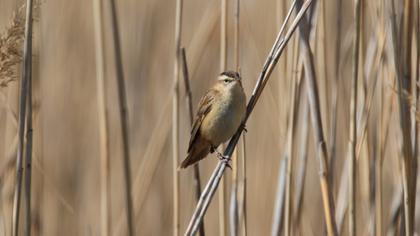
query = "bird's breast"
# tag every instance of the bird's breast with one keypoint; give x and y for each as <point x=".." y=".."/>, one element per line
<point x="224" y="118"/>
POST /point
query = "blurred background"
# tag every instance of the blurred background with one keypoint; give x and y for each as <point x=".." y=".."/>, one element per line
<point x="66" y="176"/>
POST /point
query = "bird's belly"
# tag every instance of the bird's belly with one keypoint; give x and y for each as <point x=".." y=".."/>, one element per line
<point x="222" y="124"/>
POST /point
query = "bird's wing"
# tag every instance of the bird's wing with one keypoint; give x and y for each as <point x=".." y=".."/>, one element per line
<point x="204" y="107"/>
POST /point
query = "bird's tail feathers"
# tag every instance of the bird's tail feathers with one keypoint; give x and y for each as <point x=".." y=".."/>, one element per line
<point x="195" y="155"/>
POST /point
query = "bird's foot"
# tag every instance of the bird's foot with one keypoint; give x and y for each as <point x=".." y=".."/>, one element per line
<point x="243" y="127"/>
<point x="224" y="159"/>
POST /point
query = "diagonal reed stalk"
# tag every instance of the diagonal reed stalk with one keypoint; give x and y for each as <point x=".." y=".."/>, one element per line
<point x="269" y="65"/>
<point x="197" y="181"/>
<point x="122" y="100"/>
<point x="25" y="93"/>
<point x="175" y="117"/>
<point x="317" y="124"/>
<point x="353" y="122"/>
<point x="102" y="118"/>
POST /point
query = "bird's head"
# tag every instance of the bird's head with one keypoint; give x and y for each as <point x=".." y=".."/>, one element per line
<point x="229" y="79"/>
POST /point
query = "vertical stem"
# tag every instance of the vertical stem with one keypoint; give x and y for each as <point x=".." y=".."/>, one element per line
<point x="28" y="161"/>
<point x="323" y="63"/>
<point x="122" y="100"/>
<point x="411" y="87"/>
<point x="353" y="120"/>
<point x="280" y="199"/>
<point x="378" y="169"/>
<point x="334" y="95"/>
<point x="234" y="213"/>
<point x="24" y="93"/>
<point x="197" y="181"/>
<point x="317" y="124"/>
<point x="175" y="117"/>
<point x="223" y="58"/>
<point x="102" y="118"/>
<point x="402" y="60"/>
<point x="243" y="206"/>
<point x="289" y="148"/>
<point x="303" y="156"/>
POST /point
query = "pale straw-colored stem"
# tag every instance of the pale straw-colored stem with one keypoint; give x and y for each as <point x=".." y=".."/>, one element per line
<point x="102" y="118"/>
<point x="122" y="101"/>
<point x="175" y="118"/>
<point x="25" y="87"/>
<point x="353" y="120"/>
<point x="197" y="180"/>
<point x="223" y="59"/>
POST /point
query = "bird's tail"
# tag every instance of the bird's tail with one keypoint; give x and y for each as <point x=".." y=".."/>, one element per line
<point x="195" y="155"/>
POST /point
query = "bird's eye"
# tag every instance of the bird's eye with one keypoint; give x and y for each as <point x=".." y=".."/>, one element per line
<point x="226" y="81"/>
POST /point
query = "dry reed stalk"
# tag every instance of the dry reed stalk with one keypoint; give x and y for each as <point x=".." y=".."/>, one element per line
<point x="28" y="148"/>
<point x="384" y="126"/>
<point x="102" y="118"/>
<point x="280" y="204"/>
<point x="402" y="64"/>
<point x="416" y="92"/>
<point x="223" y="60"/>
<point x="197" y="181"/>
<point x="242" y="210"/>
<point x="415" y="89"/>
<point x="122" y="100"/>
<point x="234" y="210"/>
<point x="378" y="174"/>
<point x="312" y="90"/>
<point x="294" y="108"/>
<point x="280" y="199"/>
<point x="323" y="41"/>
<point x="383" y="145"/>
<point x="334" y="94"/>
<point x="175" y="118"/>
<point x="24" y="94"/>
<point x="353" y="120"/>
<point x="271" y="62"/>
<point x="303" y="156"/>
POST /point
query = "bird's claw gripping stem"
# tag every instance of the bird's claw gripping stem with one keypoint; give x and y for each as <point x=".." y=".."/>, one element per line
<point x="224" y="159"/>
<point x="243" y="127"/>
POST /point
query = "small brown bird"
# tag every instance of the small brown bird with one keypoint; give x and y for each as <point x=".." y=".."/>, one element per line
<point x="220" y="113"/>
